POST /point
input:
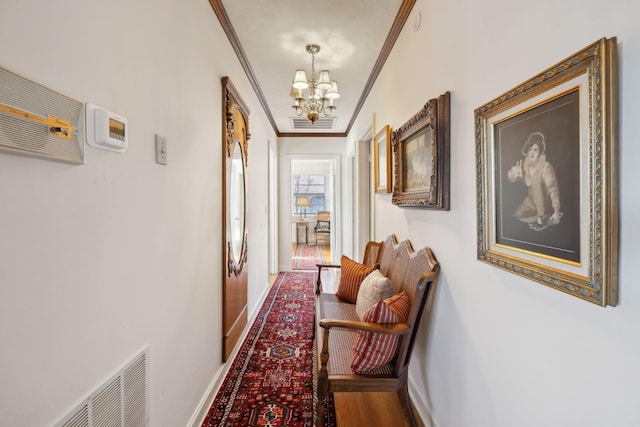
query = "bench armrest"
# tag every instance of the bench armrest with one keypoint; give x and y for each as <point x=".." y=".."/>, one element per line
<point x="328" y="265"/>
<point x="319" y="281"/>
<point x="381" y="328"/>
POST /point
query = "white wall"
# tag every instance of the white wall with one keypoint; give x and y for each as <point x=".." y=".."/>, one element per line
<point x="504" y="351"/>
<point x="99" y="260"/>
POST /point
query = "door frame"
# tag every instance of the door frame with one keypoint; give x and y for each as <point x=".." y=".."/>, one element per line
<point x="273" y="210"/>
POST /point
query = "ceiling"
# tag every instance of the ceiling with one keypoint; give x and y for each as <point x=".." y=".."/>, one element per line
<point x="270" y="38"/>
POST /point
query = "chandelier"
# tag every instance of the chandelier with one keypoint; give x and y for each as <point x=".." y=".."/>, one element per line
<point x="322" y="91"/>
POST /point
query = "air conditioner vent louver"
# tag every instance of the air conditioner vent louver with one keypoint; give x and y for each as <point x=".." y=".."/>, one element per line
<point x="80" y="419"/>
<point x="323" y="123"/>
<point x="28" y="114"/>
<point x="134" y="402"/>
<point x="122" y="402"/>
<point x="106" y="406"/>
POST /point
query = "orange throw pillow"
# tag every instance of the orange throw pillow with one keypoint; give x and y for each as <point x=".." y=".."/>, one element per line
<point x="351" y="276"/>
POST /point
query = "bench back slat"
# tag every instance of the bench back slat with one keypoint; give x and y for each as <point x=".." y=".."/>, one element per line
<point x="414" y="272"/>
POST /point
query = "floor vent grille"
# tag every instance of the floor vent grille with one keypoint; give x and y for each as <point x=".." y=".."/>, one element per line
<point x="121" y="402"/>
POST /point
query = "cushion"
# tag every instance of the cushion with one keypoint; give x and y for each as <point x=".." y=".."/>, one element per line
<point x="374" y="288"/>
<point x="351" y="276"/>
<point x="373" y="350"/>
<point x="322" y="226"/>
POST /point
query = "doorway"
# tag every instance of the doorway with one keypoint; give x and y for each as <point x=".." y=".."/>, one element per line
<point x="313" y="189"/>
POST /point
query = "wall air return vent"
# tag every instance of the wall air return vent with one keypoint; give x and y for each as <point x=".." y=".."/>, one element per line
<point x="121" y="402"/>
<point x="36" y="121"/>
<point x="323" y="123"/>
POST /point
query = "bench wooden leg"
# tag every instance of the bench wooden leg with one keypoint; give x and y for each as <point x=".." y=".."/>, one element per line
<point x="321" y="412"/>
<point x="323" y="381"/>
<point x="321" y="408"/>
<point x="319" y="282"/>
<point x="407" y="407"/>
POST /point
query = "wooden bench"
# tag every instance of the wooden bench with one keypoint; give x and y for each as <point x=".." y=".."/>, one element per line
<point x="338" y="325"/>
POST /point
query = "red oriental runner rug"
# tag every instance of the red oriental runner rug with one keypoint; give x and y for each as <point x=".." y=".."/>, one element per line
<point x="306" y="257"/>
<point x="272" y="379"/>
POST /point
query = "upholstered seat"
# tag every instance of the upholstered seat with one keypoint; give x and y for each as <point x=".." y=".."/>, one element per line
<point x="332" y="307"/>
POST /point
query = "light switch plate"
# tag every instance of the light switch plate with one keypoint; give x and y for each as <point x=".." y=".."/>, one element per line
<point x="161" y="150"/>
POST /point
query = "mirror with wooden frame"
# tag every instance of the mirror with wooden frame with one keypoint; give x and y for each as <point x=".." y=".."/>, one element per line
<point x="234" y="162"/>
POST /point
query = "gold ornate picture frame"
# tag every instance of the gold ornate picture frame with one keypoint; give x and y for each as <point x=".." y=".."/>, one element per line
<point x="547" y="177"/>
<point x="421" y="158"/>
<point x="382" y="160"/>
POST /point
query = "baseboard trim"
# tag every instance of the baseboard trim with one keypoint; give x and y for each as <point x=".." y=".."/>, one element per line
<point x="421" y="405"/>
<point x="205" y="403"/>
<point x="207" y="399"/>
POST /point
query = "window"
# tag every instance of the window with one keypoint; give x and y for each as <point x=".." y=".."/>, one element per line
<point x="311" y="186"/>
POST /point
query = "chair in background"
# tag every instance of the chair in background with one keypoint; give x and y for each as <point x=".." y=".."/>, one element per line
<point x="323" y="227"/>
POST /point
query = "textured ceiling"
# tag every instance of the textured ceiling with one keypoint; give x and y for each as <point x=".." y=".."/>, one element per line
<point x="269" y="37"/>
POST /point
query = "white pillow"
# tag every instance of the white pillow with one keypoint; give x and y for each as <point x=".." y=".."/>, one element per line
<point x="374" y="288"/>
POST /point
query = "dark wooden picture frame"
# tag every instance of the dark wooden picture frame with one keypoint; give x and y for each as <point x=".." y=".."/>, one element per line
<point x="547" y="177"/>
<point x="421" y="158"/>
<point x="382" y="160"/>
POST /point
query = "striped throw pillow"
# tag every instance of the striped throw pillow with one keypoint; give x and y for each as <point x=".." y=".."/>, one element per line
<point x="373" y="350"/>
<point x="351" y="276"/>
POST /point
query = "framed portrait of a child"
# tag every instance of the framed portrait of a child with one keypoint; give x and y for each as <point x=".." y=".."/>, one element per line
<point x="546" y="167"/>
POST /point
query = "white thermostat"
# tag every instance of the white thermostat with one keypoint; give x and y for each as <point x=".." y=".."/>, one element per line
<point x="105" y="129"/>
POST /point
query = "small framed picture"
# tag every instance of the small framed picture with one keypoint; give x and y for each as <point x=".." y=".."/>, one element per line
<point x="382" y="160"/>
<point x="421" y="158"/>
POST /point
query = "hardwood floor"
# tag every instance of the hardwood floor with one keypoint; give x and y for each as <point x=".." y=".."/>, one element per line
<point x="326" y="253"/>
<point x="375" y="409"/>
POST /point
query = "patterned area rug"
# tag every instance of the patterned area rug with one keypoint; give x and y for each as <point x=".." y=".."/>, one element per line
<point x="306" y="257"/>
<point x="272" y="380"/>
